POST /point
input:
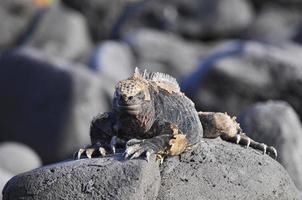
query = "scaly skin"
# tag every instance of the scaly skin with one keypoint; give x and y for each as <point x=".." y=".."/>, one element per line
<point x="150" y="115"/>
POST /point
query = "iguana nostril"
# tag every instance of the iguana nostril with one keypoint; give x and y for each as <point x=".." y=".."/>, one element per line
<point x="123" y="98"/>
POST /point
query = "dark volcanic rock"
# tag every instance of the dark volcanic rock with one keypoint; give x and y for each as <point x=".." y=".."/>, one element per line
<point x="104" y="178"/>
<point x="215" y="170"/>
<point x="277" y="124"/>
<point x="17" y="158"/>
<point x="221" y="170"/>
<point x="47" y="104"/>
<point x="241" y="73"/>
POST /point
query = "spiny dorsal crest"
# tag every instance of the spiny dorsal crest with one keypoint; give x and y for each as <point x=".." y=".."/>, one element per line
<point x="162" y="80"/>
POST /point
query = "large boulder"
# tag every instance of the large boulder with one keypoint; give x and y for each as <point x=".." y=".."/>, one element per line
<point x="48" y="104"/>
<point x="276" y="123"/>
<point x="240" y="73"/>
<point x="215" y="170"/>
<point x="106" y="178"/>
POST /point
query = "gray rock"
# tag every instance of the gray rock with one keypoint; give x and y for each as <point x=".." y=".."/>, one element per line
<point x="277" y="124"/>
<point x="208" y="18"/>
<point x="192" y="18"/>
<point x="215" y="170"/>
<point x="4" y="177"/>
<point x="17" y="158"/>
<point x="48" y="104"/>
<point x="113" y="59"/>
<point x="241" y="73"/>
<point x="178" y="55"/>
<point x="15" y="16"/>
<point x="101" y="16"/>
<point x="275" y="24"/>
<point x="61" y="32"/>
<point x="221" y="170"/>
<point x="104" y="178"/>
<point x="283" y="3"/>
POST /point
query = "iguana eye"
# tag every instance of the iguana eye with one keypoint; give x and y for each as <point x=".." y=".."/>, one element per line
<point x="140" y="94"/>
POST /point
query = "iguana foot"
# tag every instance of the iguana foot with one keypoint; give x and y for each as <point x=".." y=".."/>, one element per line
<point x="135" y="148"/>
<point x="97" y="150"/>
<point x="248" y="142"/>
<point x="90" y="152"/>
<point x="270" y="150"/>
<point x="244" y="140"/>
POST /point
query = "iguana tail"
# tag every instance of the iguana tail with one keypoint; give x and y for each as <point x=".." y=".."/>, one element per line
<point x="244" y="140"/>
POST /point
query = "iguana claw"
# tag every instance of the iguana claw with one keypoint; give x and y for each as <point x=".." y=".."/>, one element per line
<point x="113" y="143"/>
<point x="264" y="147"/>
<point x="135" y="148"/>
<point x="91" y="152"/>
<point x="272" y="152"/>
<point x="79" y="153"/>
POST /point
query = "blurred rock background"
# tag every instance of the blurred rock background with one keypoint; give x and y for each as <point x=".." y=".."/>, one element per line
<point x="60" y="60"/>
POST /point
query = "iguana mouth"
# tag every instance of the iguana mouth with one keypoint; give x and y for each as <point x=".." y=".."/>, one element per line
<point x="130" y="109"/>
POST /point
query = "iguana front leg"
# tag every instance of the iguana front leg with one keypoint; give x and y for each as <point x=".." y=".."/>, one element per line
<point x="103" y="138"/>
<point x="171" y="141"/>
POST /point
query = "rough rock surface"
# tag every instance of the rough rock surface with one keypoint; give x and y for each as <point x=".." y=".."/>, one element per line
<point x="241" y="73"/>
<point x="277" y="124"/>
<point x="47" y="104"/>
<point x="221" y="170"/>
<point x="104" y="178"/>
<point x="17" y="158"/>
<point x="215" y="170"/>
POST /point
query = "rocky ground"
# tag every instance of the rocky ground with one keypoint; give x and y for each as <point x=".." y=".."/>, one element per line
<point x="60" y="60"/>
<point x="215" y="170"/>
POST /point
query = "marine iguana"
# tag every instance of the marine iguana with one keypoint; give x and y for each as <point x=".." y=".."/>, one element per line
<point x="150" y="115"/>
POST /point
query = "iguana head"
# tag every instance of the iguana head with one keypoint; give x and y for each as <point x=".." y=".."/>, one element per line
<point x="132" y="95"/>
<point x="133" y="103"/>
